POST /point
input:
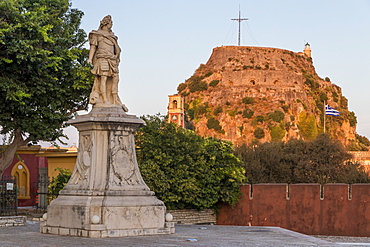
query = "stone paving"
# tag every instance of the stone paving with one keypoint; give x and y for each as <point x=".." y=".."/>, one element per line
<point x="186" y="235"/>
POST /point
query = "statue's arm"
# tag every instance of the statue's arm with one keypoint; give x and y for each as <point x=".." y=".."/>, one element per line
<point x="91" y="54"/>
<point x="93" y="38"/>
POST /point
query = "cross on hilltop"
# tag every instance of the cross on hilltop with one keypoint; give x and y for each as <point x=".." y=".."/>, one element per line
<point x="239" y="20"/>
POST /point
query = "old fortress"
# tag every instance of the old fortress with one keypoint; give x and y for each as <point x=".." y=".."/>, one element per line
<point x="240" y="89"/>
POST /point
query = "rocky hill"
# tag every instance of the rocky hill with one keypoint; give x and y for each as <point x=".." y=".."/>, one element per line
<point x="254" y="94"/>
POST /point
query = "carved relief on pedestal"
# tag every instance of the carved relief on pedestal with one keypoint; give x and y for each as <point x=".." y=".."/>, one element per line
<point x="83" y="163"/>
<point x="123" y="160"/>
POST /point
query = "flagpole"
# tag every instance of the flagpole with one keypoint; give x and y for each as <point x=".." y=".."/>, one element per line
<point x="324" y="117"/>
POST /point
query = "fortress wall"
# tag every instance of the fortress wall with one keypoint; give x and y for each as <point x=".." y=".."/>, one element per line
<point x="334" y="209"/>
<point x="264" y="78"/>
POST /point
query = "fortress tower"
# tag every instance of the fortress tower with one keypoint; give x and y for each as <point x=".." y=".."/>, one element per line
<point x="176" y="110"/>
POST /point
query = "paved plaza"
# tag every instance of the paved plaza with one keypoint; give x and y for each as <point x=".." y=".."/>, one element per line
<point x="186" y="235"/>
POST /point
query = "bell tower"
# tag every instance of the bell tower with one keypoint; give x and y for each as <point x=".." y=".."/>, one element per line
<point x="176" y="110"/>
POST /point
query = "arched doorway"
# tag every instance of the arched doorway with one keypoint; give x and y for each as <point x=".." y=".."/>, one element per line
<point x="21" y="172"/>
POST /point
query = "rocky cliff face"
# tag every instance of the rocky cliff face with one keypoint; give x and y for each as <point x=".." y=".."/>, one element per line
<point x="255" y="94"/>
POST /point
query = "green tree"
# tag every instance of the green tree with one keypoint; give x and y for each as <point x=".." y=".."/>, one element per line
<point x="44" y="78"/>
<point x="319" y="161"/>
<point x="307" y="126"/>
<point x="264" y="163"/>
<point x="186" y="170"/>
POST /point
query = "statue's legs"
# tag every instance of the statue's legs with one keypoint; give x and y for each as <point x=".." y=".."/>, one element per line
<point x="103" y="88"/>
<point x="115" y="80"/>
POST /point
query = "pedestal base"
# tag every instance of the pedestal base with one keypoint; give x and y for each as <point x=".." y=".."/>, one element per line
<point x="168" y="229"/>
<point x="99" y="216"/>
<point x="106" y="195"/>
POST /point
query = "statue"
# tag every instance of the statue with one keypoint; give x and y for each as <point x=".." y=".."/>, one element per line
<point x="105" y="57"/>
<point x="106" y="195"/>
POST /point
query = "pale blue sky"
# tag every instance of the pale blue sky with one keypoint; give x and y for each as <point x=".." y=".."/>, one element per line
<point x="164" y="41"/>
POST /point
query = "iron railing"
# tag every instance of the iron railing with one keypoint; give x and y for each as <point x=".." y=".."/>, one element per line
<point x="42" y="195"/>
<point x="8" y="196"/>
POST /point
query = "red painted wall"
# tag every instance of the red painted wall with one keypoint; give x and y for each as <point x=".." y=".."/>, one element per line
<point x="301" y="208"/>
<point x="33" y="163"/>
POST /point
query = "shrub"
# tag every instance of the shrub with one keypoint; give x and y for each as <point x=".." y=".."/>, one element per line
<point x="248" y="113"/>
<point x="363" y="140"/>
<point x="213" y="123"/>
<point x="276" y="116"/>
<point x="59" y="182"/>
<point x="202" y="109"/>
<point x="217" y="110"/>
<point x="248" y="100"/>
<point x="285" y="108"/>
<point x="232" y="113"/>
<point x="323" y="97"/>
<point x="335" y="96"/>
<point x="190" y="113"/>
<point x="214" y="83"/>
<point x="310" y="81"/>
<point x="198" y="86"/>
<point x="196" y="83"/>
<point x="181" y="87"/>
<point x="352" y="119"/>
<point x="259" y="133"/>
<point x="277" y="133"/>
<point x="344" y="102"/>
<point x="260" y="119"/>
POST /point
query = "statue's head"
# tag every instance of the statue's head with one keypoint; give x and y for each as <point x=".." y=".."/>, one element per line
<point x="107" y="20"/>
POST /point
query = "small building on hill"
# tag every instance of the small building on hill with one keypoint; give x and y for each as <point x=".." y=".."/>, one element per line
<point x="362" y="157"/>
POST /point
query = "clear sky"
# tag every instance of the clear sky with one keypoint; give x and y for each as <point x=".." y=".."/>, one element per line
<point x="164" y="41"/>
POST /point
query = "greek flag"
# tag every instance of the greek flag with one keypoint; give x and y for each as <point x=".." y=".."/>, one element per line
<point x="331" y="111"/>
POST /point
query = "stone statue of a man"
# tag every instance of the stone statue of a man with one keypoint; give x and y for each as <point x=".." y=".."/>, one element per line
<point x="105" y="57"/>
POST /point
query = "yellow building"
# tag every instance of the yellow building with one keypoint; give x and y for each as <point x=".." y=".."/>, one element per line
<point x="32" y="165"/>
<point x="64" y="158"/>
<point x="362" y="157"/>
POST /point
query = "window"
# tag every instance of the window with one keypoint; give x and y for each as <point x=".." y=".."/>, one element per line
<point x="174" y="104"/>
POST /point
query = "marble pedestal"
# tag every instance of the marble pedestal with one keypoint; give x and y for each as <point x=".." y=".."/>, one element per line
<point x="106" y="195"/>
